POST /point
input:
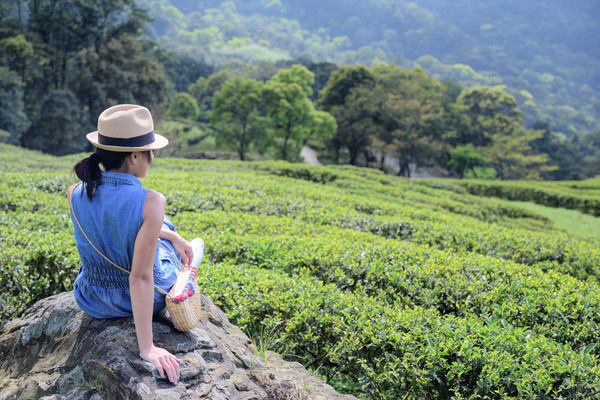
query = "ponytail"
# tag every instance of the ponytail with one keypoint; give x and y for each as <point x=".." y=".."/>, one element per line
<point x="88" y="169"/>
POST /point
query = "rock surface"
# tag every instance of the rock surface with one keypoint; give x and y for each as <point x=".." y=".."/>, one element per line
<point x="55" y="351"/>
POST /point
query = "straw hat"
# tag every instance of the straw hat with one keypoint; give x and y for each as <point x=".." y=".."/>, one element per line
<point x="126" y="127"/>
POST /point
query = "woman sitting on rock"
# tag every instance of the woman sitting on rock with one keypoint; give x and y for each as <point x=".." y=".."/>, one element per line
<point x="126" y="222"/>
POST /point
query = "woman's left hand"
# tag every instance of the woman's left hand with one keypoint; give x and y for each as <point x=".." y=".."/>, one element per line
<point x="184" y="249"/>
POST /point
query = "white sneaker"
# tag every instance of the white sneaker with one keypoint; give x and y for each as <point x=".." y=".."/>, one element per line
<point x="198" y="248"/>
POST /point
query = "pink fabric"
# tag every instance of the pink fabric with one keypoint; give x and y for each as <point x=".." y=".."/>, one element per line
<point x="189" y="288"/>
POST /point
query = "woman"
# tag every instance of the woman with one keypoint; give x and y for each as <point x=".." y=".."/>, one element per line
<point x="125" y="222"/>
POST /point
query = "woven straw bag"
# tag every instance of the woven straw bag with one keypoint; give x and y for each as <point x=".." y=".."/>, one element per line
<point x="185" y="312"/>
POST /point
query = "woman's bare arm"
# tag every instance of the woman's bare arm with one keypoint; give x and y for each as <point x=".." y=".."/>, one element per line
<point x="141" y="283"/>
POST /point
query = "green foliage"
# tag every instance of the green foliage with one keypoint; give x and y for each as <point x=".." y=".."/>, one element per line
<point x="388" y="287"/>
<point x="495" y="127"/>
<point x="341" y="83"/>
<point x="119" y="71"/>
<point x="412" y="104"/>
<point x="291" y="113"/>
<point x="184" y="106"/>
<point x="480" y="172"/>
<point x="12" y="116"/>
<point x="94" y="50"/>
<point x="464" y="159"/>
<point x="546" y="66"/>
<point x="235" y="115"/>
<point x="60" y="127"/>
<point x="582" y="196"/>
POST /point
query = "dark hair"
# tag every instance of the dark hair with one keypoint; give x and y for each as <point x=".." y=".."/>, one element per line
<point x="88" y="169"/>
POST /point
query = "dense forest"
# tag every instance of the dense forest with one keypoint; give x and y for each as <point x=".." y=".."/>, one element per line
<point x="543" y="53"/>
<point x="390" y="85"/>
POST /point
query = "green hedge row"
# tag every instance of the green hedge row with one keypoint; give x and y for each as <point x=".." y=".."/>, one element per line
<point x="583" y="198"/>
<point x="409" y="273"/>
<point x="387" y="287"/>
<point x="398" y="351"/>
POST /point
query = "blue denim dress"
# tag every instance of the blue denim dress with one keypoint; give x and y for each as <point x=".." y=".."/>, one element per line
<point x="112" y="220"/>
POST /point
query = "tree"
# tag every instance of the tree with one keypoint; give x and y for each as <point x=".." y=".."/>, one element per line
<point x="490" y="112"/>
<point x="356" y="124"/>
<point x="290" y="110"/>
<point x="413" y="102"/>
<point x="183" y="70"/>
<point x="322" y="126"/>
<point x="235" y="116"/>
<point x="512" y="158"/>
<point x="590" y="148"/>
<point x="12" y="116"/>
<point x="563" y="153"/>
<point x="322" y="71"/>
<point x="118" y="72"/>
<point x="16" y="52"/>
<point x="342" y="82"/>
<point x="59" y="129"/>
<point x="343" y="93"/>
<point x="204" y="89"/>
<point x="465" y="158"/>
<point x="495" y="128"/>
<point x="61" y="28"/>
<point x="184" y="106"/>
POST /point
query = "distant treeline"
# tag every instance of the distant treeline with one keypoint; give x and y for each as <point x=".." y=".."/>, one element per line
<point x="62" y="62"/>
<point x="544" y="53"/>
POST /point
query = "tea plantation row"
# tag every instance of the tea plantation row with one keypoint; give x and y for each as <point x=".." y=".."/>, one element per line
<point x="388" y="288"/>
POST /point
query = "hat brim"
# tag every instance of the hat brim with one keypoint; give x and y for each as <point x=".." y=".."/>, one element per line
<point x="159" y="142"/>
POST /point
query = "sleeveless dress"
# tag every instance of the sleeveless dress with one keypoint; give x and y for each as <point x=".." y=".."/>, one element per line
<point x="112" y="220"/>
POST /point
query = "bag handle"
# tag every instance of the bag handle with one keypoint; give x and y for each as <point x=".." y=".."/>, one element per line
<point x="106" y="258"/>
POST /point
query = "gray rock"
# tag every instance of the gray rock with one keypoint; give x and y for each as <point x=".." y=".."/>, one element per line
<point x="56" y="352"/>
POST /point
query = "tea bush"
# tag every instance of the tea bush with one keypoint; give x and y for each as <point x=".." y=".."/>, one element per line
<point x="388" y="288"/>
<point x="584" y="197"/>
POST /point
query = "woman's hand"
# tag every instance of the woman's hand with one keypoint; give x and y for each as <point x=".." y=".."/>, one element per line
<point x="184" y="249"/>
<point x="163" y="361"/>
<point x="181" y="246"/>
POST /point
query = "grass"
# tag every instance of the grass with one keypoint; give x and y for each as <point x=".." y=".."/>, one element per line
<point x="570" y="220"/>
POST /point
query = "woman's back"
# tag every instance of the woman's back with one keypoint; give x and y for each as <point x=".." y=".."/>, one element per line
<point x="111" y="220"/>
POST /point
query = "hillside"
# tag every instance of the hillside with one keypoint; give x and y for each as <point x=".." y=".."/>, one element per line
<point x="548" y="62"/>
<point x="388" y="288"/>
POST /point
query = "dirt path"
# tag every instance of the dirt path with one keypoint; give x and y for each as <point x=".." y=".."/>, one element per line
<point x="310" y="157"/>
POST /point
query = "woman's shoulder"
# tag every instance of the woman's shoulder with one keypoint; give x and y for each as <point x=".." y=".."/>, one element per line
<point x="155" y="197"/>
<point x="71" y="189"/>
<point x="155" y="202"/>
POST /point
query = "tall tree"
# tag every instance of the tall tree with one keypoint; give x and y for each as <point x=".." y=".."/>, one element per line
<point x="61" y="28"/>
<point x="204" y="89"/>
<point x="184" y="106"/>
<point x="17" y="53"/>
<point x="64" y="117"/>
<point x="322" y="71"/>
<point x="356" y="122"/>
<point x="12" y="116"/>
<point x="490" y="112"/>
<point x="342" y="93"/>
<point x="413" y="102"/>
<point x="562" y="153"/>
<point x="235" y="115"/>
<point x="290" y="110"/>
<point x="590" y="148"/>
<point x="341" y="82"/>
<point x="495" y="128"/>
<point x="512" y="157"/>
<point x="118" y="72"/>
<point x="183" y="70"/>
